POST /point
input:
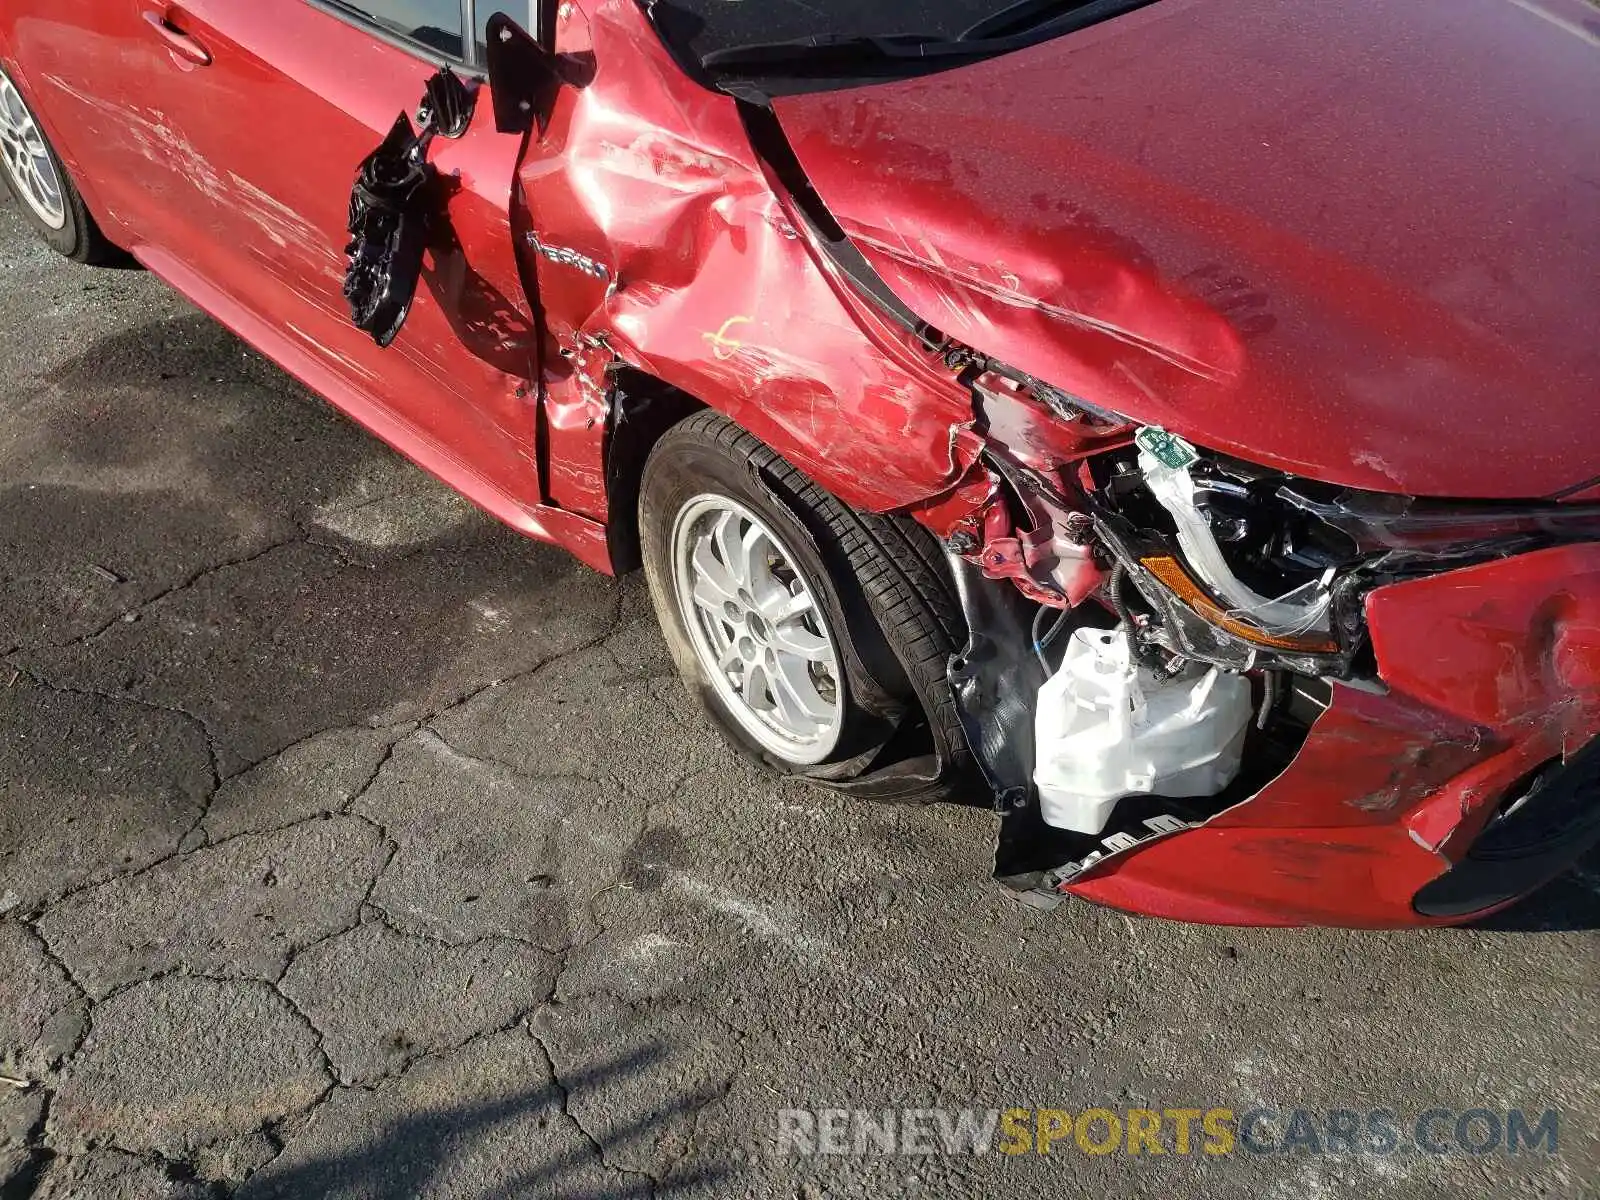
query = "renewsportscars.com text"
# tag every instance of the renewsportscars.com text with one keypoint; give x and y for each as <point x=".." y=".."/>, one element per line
<point x="1166" y="1131"/>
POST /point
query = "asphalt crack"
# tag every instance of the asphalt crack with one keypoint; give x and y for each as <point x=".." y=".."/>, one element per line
<point x="199" y="722"/>
<point x="138" y="610"/>
<point x="282" y="1130"/>
<point x="652" y="1183"/>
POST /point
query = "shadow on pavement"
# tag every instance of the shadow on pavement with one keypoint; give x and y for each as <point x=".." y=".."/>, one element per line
<point x="424" y="1152"/>
<point x="242" y="553"/>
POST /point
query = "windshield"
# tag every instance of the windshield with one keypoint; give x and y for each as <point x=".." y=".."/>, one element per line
<point x="807" y="45"/>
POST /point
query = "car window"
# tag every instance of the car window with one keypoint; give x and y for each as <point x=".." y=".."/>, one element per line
<point x="436" y="24"/>
<point x="523" y="12"/>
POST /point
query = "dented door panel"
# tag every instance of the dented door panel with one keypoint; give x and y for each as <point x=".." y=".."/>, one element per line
<point x="460" y="377"/>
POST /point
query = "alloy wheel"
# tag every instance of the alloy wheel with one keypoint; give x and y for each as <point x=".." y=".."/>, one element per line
<point x="758" y="629"/>
<point x="27" y="159"/>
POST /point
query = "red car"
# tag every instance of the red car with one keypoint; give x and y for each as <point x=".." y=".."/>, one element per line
<point x="1173" y="422"/>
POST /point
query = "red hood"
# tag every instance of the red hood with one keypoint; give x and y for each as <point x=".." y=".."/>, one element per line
<point x="1358" y="240"/>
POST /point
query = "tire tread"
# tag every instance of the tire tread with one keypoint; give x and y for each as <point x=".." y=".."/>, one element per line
<point x="898" y="565"/>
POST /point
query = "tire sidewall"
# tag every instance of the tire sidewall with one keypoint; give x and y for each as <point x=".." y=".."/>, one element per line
<point x="683" y="468"/>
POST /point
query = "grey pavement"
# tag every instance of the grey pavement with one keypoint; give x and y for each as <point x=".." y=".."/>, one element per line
<point x="352" y="846"/>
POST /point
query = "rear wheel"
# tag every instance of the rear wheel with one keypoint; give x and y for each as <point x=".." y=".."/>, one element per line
<point x="817" y="636"/>
<point x="36" y="177"/>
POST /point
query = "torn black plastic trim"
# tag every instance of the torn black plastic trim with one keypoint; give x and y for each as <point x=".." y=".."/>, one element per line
<point x="524" y="77"/>
<point x="1529" y="844"/>
<point x="1418" y="529"/>
<point x="447" y="104"/>
<point x="1576" y="489"/>
<point x="996" y="680"/>
<point x="389" y="220"/>
<point x="393" y="206"/>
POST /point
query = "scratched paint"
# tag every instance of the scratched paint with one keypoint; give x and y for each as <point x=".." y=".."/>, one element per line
<point x="651" y="235"/>
<point x="710" y="288"/>
<point x="1364" y="264"/>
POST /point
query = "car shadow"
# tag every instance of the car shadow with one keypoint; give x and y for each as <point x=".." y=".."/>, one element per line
<point x="415" y="1155"/>
<point x="171" y="480"/>
<point x="485" y="321"/>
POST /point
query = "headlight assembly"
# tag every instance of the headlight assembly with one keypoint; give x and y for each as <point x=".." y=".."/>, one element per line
<point x="1243" y="567"/>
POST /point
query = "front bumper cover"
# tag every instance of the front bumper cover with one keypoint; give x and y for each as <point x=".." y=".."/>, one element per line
<point x="1491" y="672"/>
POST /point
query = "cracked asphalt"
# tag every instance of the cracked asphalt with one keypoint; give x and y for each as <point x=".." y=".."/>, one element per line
<point x="352" y="846"/>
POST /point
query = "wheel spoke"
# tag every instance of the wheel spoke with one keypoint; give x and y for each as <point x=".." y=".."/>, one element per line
<point x="758" y="688"/>
<point x="789" y="711"/>
<point x="44" y="190"/>
<point x="785" y="607"/>
<point x="793" y="689"/>
<point x="795" y="639"/>
<point x="712" y="575"/>
<point x="710" y="598"/>
<point x="753" y="559"/>
<point x="726" y="536"/>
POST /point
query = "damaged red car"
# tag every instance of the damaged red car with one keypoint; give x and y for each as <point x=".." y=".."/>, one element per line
<point x="1170" y="422"/>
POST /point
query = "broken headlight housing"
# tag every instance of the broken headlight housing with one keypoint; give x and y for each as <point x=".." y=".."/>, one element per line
<point x="1244" y="568"/>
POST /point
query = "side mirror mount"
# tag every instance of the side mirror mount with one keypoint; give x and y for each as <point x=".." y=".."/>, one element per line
<point x="524" y="76"/>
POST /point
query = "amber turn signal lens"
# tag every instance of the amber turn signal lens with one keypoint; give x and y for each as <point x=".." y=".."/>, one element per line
<point x="1171" y="573"/>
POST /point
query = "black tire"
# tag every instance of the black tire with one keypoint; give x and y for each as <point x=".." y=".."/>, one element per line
<point x="884" y="589"/>
<point x="79" y="237"/>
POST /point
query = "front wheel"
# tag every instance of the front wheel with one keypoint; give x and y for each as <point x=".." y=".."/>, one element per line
<point x="817" y="636"/>
<point x="36" y="177"/>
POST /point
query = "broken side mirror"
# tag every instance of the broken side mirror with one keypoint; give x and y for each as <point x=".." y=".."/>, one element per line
<point x="396" y="198"/>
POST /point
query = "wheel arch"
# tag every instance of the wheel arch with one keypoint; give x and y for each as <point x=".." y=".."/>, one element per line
<point x="918" y="764"/>
<point x="66" y="148"/>
<point x="643" y="408"/>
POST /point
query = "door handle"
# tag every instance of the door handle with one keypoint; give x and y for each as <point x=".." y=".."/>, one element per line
<point x="179" y="42"/>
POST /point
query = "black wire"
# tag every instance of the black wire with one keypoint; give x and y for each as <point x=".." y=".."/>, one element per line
<point x="1269" y="699"/>
<point x="1119" y="605"/>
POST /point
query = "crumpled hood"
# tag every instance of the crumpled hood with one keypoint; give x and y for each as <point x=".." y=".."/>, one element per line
<point x="1357" y="240"/>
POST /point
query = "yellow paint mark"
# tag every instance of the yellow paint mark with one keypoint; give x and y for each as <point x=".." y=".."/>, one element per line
<point x="723" y="346"/>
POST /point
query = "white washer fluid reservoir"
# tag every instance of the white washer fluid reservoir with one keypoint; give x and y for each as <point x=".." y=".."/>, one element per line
<point x="1107" y="727"/>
